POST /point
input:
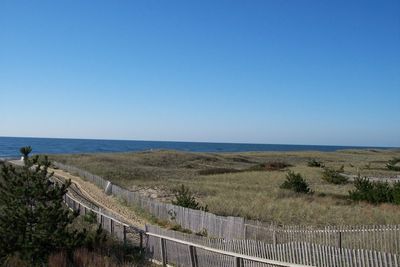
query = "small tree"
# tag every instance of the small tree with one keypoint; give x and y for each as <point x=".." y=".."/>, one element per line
<point x="185" y="198"/>
<point x="393" y="164"/>
<point x="315" y="163"/>
<point x="375" y="192"/>
<point x="296" y="182"/>
<point x="33" y="220"/>
<point x="25" y="151"/>
<point x="334" y="176"/>
<point x="396" y="193"/>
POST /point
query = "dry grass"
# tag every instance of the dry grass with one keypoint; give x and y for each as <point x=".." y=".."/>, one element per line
<point x="84" y="257"/>
<point x="252" y="194"/>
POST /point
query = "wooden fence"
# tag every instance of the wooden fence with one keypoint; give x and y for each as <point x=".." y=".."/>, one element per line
<point x="293" y="252"/>
<point x="196" y="254"/>
<point x="122" y="231"/>
<point x="179" y="249"/>
<point x="384" y="238"/>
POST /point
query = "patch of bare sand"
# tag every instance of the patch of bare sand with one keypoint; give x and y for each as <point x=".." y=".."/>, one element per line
<point x="98" y="196"/>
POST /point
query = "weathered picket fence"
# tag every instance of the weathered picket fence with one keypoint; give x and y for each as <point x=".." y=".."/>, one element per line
<point x="193" y="252"/>
<point x="293" y="252"/>
<point x="120" y="230"/>
<point x="179" y="249"/>
<point x="384" y="238"/>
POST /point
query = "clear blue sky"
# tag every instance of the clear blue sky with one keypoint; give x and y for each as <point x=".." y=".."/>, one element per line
<point x="268" y="71"/>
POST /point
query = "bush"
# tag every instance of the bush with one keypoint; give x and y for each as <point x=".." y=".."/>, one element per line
<point x="90" y="217"/>
<point x="296" y="183"/>
<point x="396" y="193"/>
<point x="383" y="193"/>
<point x="364" y="189"/>
<point x="109" y="256"/>
<point x="315" y="163"/>
<point x="375" y="192"/>
<point x="392" y="164"/>
<point x="33" y="220"/>
<point x="185" y="198"/>
<point x="333" y="176"/>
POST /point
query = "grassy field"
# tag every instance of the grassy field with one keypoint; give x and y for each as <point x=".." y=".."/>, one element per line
<point x="241" y="184"/>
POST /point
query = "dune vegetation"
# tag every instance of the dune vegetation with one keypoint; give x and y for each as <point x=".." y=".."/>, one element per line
<point x="249" y="184"/>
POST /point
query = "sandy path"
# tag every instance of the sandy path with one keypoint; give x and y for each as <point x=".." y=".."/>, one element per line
<point x="98" y="196"/>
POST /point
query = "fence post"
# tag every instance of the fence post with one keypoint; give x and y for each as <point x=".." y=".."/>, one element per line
<point x="141" y="240"/>
<point x="193" y="256"/>
<point x="124" y="229"/>
<point x="274" y="237"/>
<point x="339" y="240"/>
<point x="101" y="220"/>
<point x="239" y="262"/>
<point x="163" y="252"/>
<point x="111" y="226"/>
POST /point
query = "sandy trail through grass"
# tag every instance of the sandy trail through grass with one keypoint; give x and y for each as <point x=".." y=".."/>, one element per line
<point x="98" y="197"/>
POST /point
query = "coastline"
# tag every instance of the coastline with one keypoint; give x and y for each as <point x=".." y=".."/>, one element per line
<point x="9" y="146"/>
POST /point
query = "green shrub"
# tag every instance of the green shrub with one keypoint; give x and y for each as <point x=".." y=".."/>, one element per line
<point x="392" y="164"/>
<point x="333" y="176"/>
<point x="363" y="191"/>
<point x="296" y="183"/>
<point x="383" y="193"/>
<point x="185" y="198"/>
<point x="33" y="220"/>
<point x="90" y="217"/>
<point x="393" y="168"/>
<point x="396" y="193"/>
<point x="375" y="192"/>
<point x="315" y="163"/>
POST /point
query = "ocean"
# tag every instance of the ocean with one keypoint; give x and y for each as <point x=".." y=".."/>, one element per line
<point x="9" y="146"/>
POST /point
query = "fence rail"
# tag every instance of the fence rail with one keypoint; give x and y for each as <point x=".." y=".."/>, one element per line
<point x="384" y="238"/>
<point x="238" y="259"/>
<point x="293" y="252"/>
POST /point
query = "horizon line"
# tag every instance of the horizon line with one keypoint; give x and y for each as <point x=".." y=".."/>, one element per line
<point x="200" y="142"/>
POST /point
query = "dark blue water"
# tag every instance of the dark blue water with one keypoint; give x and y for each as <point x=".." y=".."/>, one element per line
<point x="9" y="146"/>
